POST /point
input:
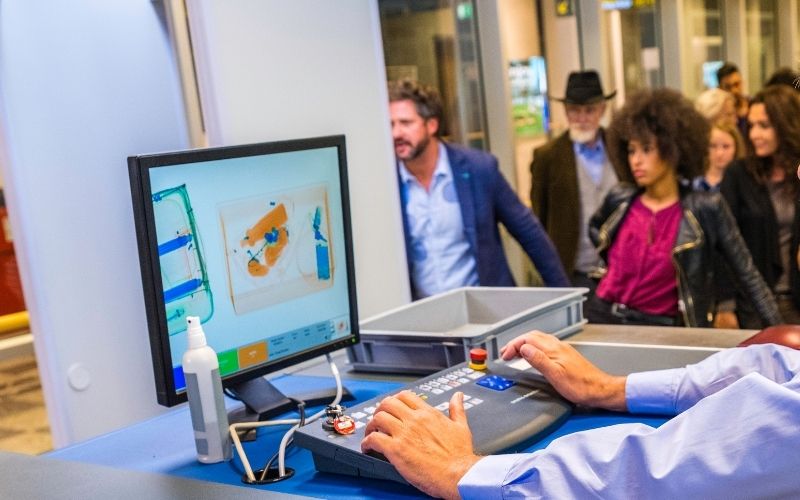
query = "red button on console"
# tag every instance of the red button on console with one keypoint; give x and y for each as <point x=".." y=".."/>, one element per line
<point x="477" y="358"/>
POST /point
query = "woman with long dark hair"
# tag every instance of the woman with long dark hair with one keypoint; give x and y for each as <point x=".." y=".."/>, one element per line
<point x="657" y="236"/>
<point x="762" y="191"/>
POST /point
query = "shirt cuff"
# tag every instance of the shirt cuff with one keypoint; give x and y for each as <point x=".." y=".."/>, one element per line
<point x="485" y="479"/>
<point x="653" y="392"/>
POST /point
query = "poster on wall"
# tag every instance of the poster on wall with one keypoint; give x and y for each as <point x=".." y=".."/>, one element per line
<point x="528" y="82"/>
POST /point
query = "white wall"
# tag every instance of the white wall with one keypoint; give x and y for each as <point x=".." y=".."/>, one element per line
<point x="83" y="85"/>
<point x="272" y="69"/>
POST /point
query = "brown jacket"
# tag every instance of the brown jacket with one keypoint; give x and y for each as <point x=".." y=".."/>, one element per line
<point x="555" y="196"/>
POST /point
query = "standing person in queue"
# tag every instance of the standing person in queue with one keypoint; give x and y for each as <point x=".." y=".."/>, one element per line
<point x="571" y="175"/>
<point x="762" y="192"/>
<point x="453" y="198"/>
<point x="718" y="106"/>
<point x="725" y="146"/>
<point x="657" y="236"/>
<point x="729" y="78"/>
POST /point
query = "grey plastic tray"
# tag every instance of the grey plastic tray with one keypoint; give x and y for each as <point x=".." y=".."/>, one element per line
<point x="437" y="332"/>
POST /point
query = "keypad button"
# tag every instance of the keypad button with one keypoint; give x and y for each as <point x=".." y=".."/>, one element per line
<point x="475" y="401"/>
<point x="369" y="409"/>
<point x="437" y="391"/>
<point x="359" y="424"/>
<point x="447" y="388"/>
<point x="425" y="387"/>
<point x="467" y="397"/>
<point x="442" y="406"/>
<point x="475" y="375"/>
<point x="495" y="382"/>
<point x="442" y="380"/>
<point x="463" y="380"/>
<point x="467" y="406"/>
<point x="358" y="414"/>
<point x="451" y="377"/>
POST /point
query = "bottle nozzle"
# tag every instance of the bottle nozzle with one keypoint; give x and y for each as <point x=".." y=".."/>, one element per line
<point x="197" y="338"/>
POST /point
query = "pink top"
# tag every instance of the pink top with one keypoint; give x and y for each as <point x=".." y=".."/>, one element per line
<point x="641" y="274"/>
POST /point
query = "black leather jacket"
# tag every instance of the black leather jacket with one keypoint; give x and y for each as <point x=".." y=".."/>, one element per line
<point x="706" y="224"/>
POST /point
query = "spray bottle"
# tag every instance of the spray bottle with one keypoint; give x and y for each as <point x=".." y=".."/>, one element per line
<point x="206" y="401"/>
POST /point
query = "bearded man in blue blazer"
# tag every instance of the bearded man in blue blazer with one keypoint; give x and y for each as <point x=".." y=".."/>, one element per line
<point x="453" y="198"/>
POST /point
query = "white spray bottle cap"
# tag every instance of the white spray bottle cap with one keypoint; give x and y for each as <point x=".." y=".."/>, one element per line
<point x="197" y="338"/>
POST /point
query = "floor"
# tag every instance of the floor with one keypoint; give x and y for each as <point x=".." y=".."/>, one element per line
<point x="23" y="418"/>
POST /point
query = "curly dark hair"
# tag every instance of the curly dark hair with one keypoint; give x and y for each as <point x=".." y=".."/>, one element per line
<point x="782" y="104"/>
<point x="425" y="98"/>
<point x="680" y="131"/>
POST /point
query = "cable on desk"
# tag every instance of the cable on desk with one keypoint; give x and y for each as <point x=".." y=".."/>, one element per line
<point x="301" y="409"/>
<point x="295" y="423"/>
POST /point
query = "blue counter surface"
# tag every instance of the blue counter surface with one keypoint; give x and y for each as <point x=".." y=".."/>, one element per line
<point x="165" y="444"/>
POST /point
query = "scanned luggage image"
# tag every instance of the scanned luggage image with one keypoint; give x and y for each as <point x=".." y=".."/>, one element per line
<point x="183" y="268"/>
<point x="277" y="247"/>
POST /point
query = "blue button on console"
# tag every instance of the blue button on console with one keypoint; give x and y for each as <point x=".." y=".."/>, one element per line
<point x="495" y="382"/>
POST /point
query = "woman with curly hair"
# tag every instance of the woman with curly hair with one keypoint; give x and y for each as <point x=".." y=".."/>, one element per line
<point x="762" y="192"/>
<point x="657" y="236"/>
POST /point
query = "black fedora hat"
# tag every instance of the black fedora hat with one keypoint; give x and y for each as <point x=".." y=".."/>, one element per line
<point x="583" y="87"/>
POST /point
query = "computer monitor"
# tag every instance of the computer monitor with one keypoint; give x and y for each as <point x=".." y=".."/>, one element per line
<point x="256" y="241"/>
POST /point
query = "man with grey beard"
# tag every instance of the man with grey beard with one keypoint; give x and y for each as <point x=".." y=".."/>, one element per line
<point x="571" y="176"/>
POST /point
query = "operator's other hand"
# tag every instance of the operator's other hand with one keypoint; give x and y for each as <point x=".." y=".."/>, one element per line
<point x="572" y="375"/>
<point x="430" y="450"/>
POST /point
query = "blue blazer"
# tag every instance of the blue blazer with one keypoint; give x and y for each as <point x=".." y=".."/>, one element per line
<point x="486" y="199"/>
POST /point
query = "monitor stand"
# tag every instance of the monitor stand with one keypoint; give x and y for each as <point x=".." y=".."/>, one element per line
<point x="262" y="400"/>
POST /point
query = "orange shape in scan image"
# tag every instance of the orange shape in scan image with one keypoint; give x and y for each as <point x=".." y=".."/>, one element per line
<point x="268" y="237"/>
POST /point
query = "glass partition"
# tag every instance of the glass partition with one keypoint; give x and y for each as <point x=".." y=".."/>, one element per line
<point x="762" y="42"/>
<point x="703" y="24"/>
<point x="633" y="35"/>
<point x="436" y="42"/>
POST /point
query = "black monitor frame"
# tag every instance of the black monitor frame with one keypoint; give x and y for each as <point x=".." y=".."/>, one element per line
<point x="144" y="220"/>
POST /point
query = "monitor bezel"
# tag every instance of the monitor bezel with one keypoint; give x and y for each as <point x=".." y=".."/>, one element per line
<point x="138" y="168"/>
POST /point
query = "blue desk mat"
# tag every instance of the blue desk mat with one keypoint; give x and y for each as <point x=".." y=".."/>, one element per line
<point x="166" y="444"/>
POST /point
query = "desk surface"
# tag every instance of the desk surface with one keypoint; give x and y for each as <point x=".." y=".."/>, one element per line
<point x="165" y="444"/>
<point x="24" y="476"/>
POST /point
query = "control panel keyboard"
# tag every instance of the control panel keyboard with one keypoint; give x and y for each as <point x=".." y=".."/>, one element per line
<point x="507" y="410"/>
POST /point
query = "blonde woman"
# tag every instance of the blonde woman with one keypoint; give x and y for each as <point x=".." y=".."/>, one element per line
<point x="717" y="106"/>
<point x="725" y="145"/>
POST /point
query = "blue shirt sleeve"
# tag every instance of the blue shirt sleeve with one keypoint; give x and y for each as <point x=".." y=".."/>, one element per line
<point x="736" y="435"/>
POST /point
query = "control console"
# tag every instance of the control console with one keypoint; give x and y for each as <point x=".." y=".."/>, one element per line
<point x="507" y="409"/>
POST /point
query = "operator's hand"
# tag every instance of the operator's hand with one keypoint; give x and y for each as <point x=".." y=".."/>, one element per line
<point x="572" y="375"/>
<point x="430" y="450"/>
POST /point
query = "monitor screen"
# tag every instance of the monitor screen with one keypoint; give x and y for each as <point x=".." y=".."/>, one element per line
<point x="255" y="240"/>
